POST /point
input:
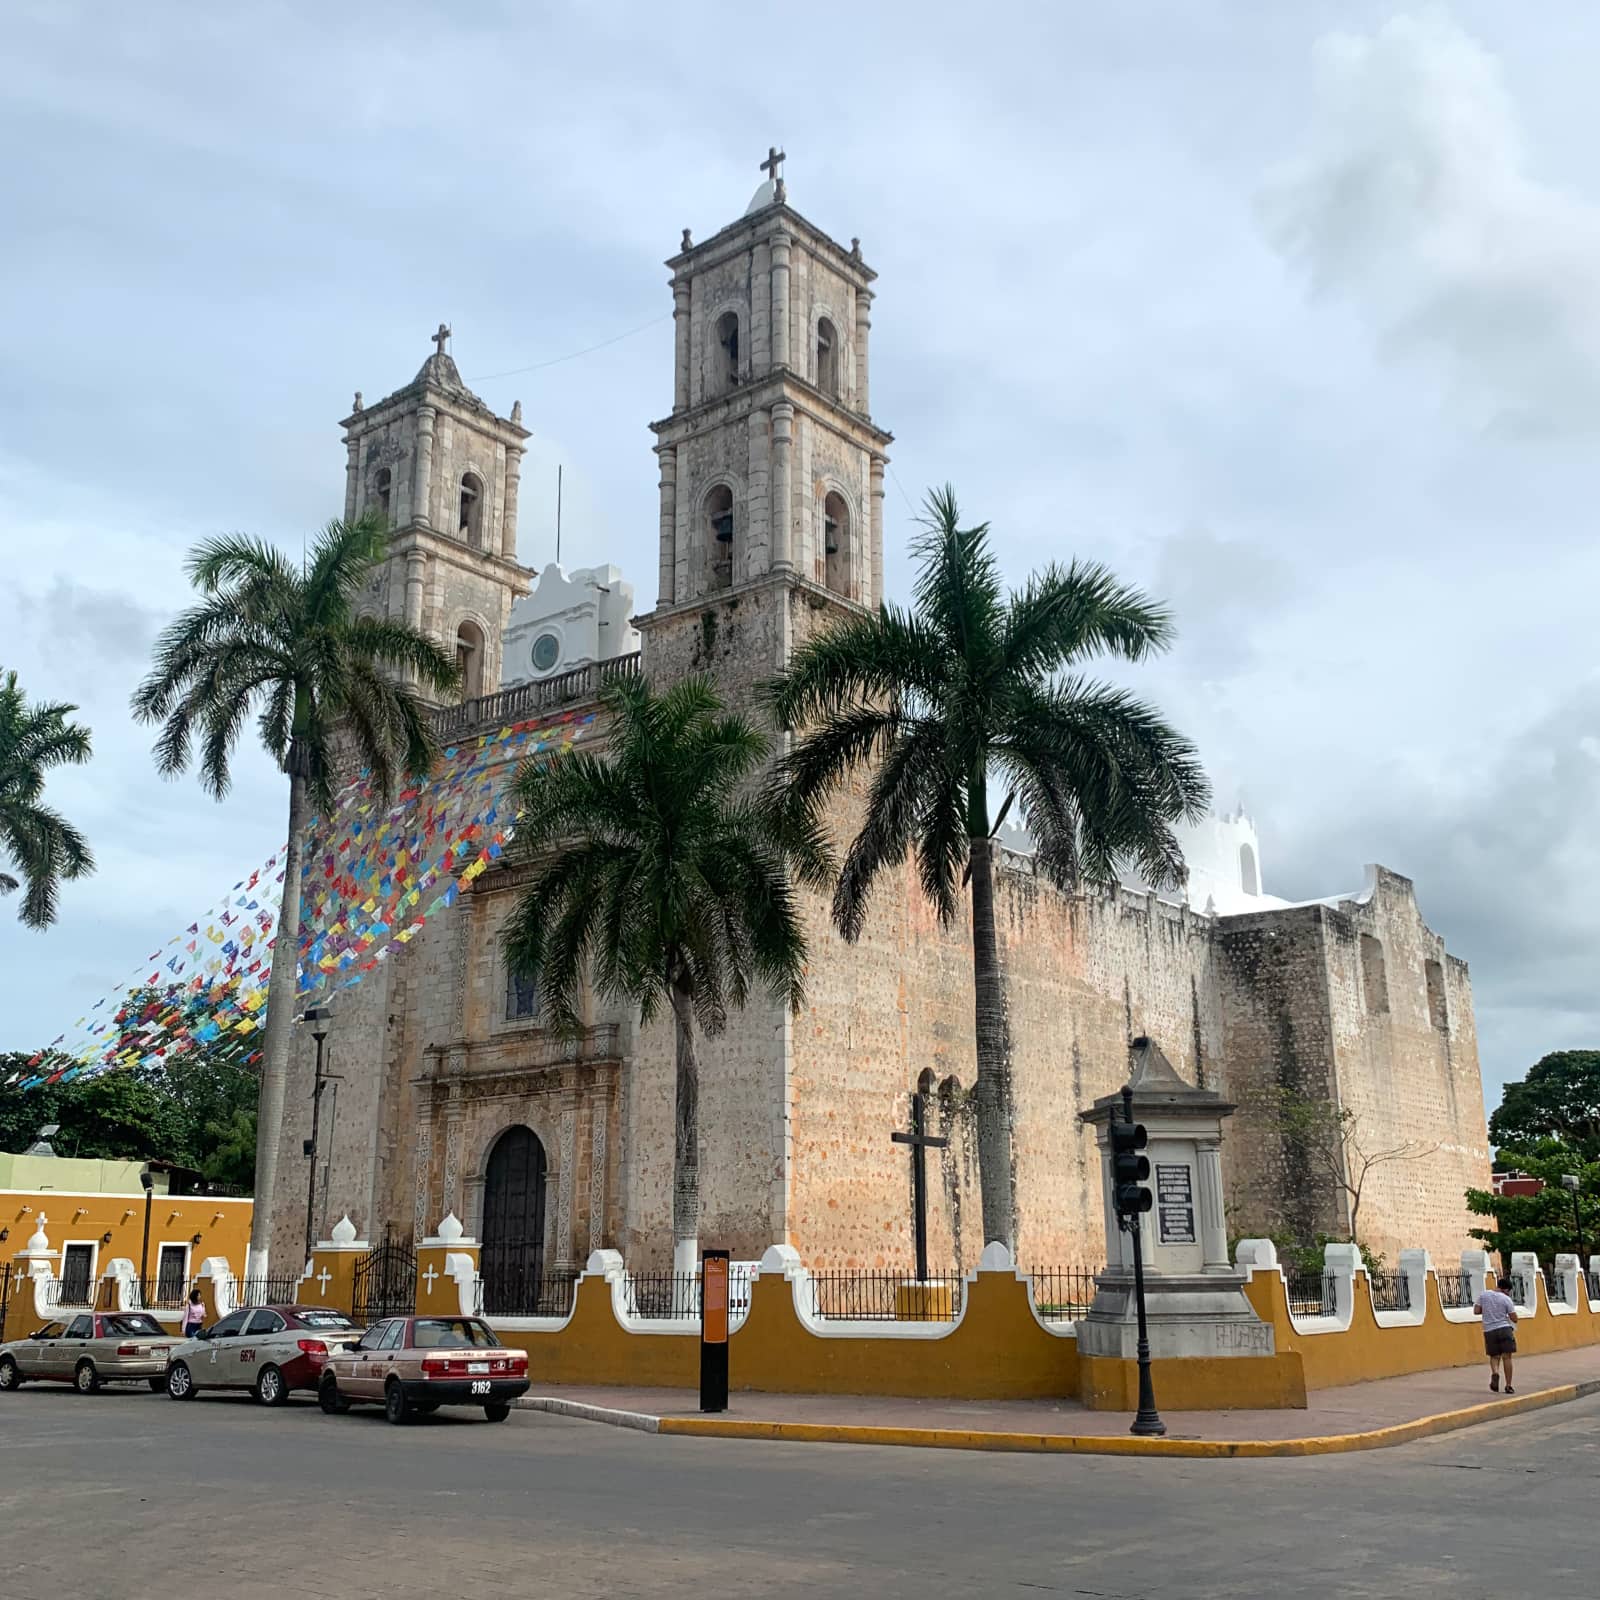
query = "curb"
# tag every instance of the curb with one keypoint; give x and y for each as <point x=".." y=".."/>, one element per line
<point x="1071" y="1444"/>
<point x="639" y="1421"/>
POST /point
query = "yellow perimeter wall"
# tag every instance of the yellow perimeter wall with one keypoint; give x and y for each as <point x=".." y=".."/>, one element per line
<point x="999" y="1350"/>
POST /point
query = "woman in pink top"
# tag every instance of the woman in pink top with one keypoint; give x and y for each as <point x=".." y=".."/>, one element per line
<point x="194" y="1314"/>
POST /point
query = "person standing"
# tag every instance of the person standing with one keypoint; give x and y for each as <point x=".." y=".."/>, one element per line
<point x="1499" y="1313"/>
<point x="194" y="1314"/>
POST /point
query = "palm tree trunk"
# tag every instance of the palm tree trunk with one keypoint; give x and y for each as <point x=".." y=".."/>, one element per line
<point x="993" y="1031"/>
<point x="686" y="1141"/>
<point x="281" y="996"/>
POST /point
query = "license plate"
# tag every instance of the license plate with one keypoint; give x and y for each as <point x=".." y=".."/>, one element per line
<point x="477" y="1366"/>
<point x="481" y="1386"/>
<point x="159" y="1349"/>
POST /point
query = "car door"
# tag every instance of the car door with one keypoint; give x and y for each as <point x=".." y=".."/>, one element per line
<point x="217" y="1366"/>
<point x="256" y="1346"/>
<point x="31" y="1353"/>
<point x="61" y="1355"/>
<point x="363" y="1363"/>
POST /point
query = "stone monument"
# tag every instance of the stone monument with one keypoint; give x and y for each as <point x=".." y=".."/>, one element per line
<point x="1195" y="1302"/>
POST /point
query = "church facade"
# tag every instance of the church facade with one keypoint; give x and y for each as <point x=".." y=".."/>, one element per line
<point x="453" y="1097"/>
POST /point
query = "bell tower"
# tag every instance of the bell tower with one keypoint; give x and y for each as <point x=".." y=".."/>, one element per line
<point x="443" y="469"/>
<point x="771" y="467"/>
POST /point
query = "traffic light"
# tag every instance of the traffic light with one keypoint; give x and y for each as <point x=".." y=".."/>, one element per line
<point x="1129" y="1169"/>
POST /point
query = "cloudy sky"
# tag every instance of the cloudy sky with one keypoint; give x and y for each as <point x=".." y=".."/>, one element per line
<point x="1290" y="312"/>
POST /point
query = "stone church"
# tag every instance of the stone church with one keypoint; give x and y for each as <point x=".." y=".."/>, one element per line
<point x="452" y="1096"/>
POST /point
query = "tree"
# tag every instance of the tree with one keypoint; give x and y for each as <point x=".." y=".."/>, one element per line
<point x="1330" y="1141"/>
<point x="38" y="841"/>
<point x="659" y="878"/>
<point x="284" y="642"/>
<point x="1542" y="1222"/>
<point x="1559" y="1099"/>
<point x="971" y="690"/>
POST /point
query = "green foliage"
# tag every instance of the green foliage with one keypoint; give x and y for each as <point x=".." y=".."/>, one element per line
<point x="1295" y="1255"/>
<point x="1559" y="1099"/>
<point x="654" y="871"/>
<point x="37" y="841"/>
<point x="1542" y="1223"/>
<point x="973" y="685"/>
<point x="283" y="640"/>
<point x="196" y="1109"/>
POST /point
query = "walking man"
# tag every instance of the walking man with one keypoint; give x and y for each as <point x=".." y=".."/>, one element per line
<point x="1499" y="1313"/>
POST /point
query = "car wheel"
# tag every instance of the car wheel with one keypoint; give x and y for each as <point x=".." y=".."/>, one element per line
<point x="329" y="1398"/>
<point x="497" y="1411"/>
<point x="394" y="1403"/>
<point x="156" y="1384"/>
<point x="271" y="1390"/>
<point x="10" y="1375"/>
<point x="180" y="1382"/>
<point x="85" y="1379"/>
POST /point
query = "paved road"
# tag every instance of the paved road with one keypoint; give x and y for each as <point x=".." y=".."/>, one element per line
<point x="130" y="1495"/>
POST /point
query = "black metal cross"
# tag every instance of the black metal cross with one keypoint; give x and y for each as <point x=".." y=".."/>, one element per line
<point x="921" y="1143"/>
<point x="775" y="159"/>
<point x="442" y="337"/>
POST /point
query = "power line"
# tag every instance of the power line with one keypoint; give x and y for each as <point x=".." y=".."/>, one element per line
<point x="589" y="350"/>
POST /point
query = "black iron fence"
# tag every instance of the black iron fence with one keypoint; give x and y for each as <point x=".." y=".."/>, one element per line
<point x="385" y="1283"/>
<point x="1063" y="1294"/>
<point x="1391" y="1291"/>
<point x="1455" y="1290"/>
<point x="541" y="1294"/>
<point x="1591" y="1283"/>
<point x="1310" y="1293"/>
<point x="886" y="1297"/>
<point x="658" y="1296"/>
<point x="1520" y="1287"/>
<point x="276" y="1289"/>
<point x="1553" y="1288"/>
<point x="163" y="1293"/>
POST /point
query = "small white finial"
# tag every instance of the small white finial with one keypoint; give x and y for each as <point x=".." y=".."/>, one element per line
<point x="38" y="1245"/>
<point x="344" y="1230"/>
<point x="450" y="1229"/>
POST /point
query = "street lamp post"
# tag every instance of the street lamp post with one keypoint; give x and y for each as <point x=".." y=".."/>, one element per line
<point x="148" y="1181"/>
<point x="1571" y="1183"/>
<point x="319" y="1017"/>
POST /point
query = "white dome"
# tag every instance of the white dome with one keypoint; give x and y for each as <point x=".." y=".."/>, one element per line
<point x="765" y="196"/>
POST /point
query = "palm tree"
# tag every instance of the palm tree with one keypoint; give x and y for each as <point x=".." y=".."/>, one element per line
<point x="40" y="843"/>
<point x="971" y="689"/>
<point x="284" y="641"/>
<point x="660" y="878"/>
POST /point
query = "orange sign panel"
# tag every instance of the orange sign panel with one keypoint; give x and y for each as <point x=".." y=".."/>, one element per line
<point x="714" y="1300"/>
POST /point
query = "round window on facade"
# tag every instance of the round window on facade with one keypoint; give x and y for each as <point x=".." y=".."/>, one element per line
<point x="546" y="652"/>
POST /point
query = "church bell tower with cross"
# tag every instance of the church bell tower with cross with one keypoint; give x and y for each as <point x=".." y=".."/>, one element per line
<point x="442" y="469"/>
<point x="771" y="466"/>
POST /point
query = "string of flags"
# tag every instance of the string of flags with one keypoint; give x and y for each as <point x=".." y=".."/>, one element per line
<point x="372" y="875"/>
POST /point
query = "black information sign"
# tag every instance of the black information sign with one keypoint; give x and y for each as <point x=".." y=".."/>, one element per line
<point x="1175" y="1205"/>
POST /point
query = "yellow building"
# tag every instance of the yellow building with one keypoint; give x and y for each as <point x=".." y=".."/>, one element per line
<point x="95" y="1213"/>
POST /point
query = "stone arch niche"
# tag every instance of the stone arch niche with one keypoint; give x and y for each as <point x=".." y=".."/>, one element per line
<point x="514" y="1184"/>
<point x="470" y="659"/>
<point x="719" y="531"/>
<point x="837" y="543"/>
<point x="470" y="510"/>
<point x="724" y="355"/>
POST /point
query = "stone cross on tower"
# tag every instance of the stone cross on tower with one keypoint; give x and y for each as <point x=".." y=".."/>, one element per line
<point x="775" y="159"/>
<point x="442" y="337"/>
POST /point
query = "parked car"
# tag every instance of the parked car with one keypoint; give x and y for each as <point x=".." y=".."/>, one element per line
<point x="89" y="1349"/>
<point x="269" y="1350"/>
<point x="417" y="1364"/>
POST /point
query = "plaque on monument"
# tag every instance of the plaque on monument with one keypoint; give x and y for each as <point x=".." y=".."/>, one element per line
<point x="1175" y="1204"/>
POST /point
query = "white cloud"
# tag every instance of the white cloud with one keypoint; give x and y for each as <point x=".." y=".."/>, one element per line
<point x="1417" y="204"/>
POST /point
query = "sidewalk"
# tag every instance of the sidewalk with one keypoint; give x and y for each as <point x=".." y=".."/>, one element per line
<point x="1361" y="1416"/>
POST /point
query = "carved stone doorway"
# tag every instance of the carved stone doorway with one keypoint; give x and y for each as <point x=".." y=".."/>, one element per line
<point x="513" y="1223"/>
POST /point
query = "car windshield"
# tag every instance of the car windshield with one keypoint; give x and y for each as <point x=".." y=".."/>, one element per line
<point x="132" y="1323"/>
<point x="323" y="1319"/>
<point x="453" y="1333"/>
